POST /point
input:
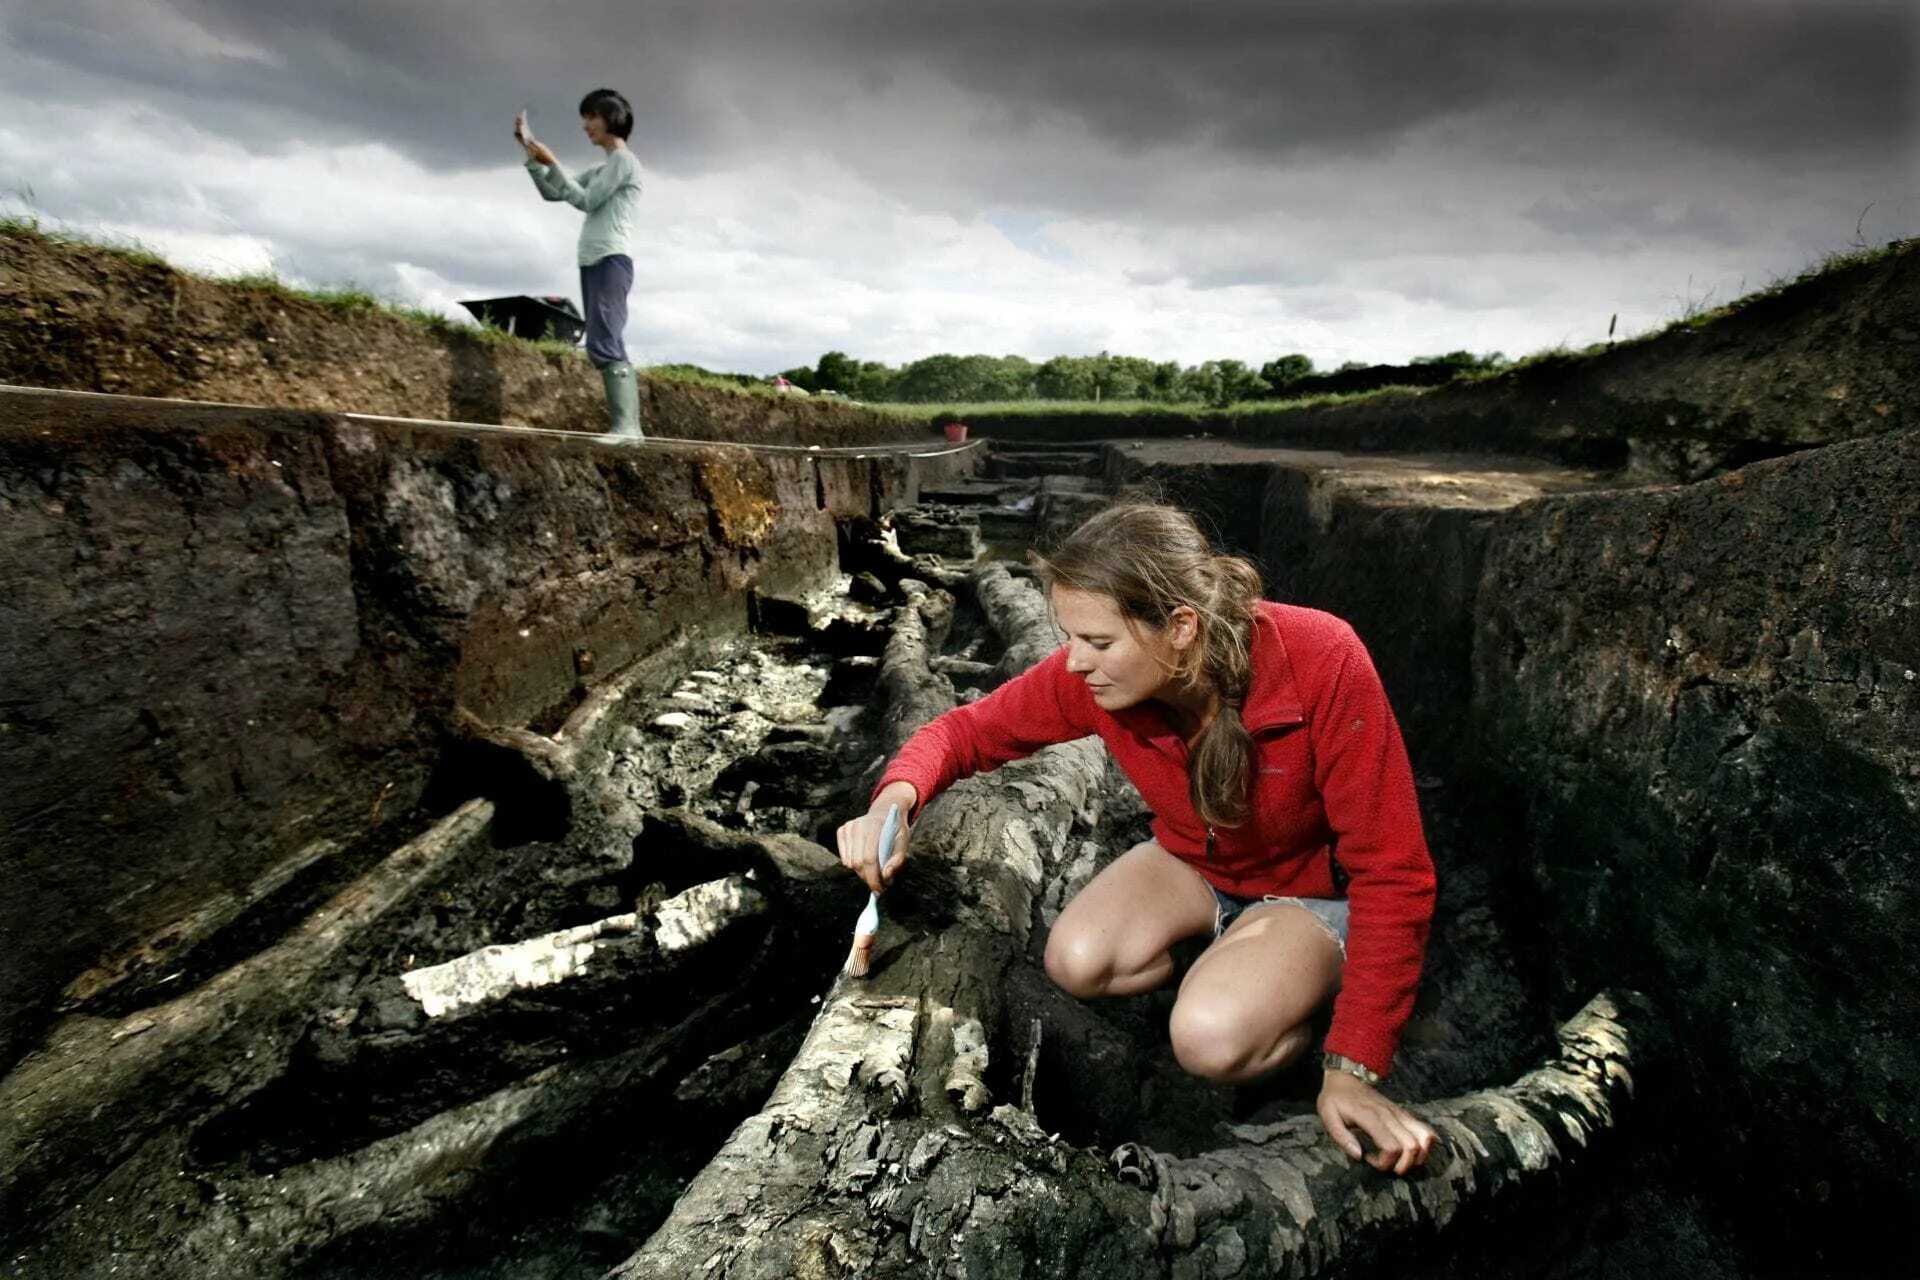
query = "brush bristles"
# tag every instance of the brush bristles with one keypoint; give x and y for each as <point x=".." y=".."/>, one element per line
<point x="860" y="958"/>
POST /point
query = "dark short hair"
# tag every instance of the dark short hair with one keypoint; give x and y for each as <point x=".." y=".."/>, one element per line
<point x="612" y="110"/>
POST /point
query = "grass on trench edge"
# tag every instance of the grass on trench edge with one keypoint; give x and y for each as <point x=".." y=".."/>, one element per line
<point x="351" y="299"/>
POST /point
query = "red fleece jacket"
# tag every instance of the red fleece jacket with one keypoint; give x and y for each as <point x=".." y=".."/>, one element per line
<point x="1330" y="780"/>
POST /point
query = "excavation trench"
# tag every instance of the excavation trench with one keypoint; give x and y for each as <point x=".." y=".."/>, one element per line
<point x="584" y="1010"/>
<point x="420" y="873"/>
<point x="529" y="1033"/>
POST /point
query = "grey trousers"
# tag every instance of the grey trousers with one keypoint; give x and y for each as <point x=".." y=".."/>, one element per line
<point x="603" y="288"/>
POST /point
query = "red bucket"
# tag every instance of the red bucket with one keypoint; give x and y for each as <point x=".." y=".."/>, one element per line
<point x="956" y="431"/>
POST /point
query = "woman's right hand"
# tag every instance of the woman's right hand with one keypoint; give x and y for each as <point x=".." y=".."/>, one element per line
<point x="859" y="839"/>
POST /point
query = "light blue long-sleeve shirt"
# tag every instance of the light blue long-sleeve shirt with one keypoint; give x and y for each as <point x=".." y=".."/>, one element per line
<point x="609" y="194"/>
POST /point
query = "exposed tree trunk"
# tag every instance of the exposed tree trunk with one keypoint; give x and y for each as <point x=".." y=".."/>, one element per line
<point x="1019" y="613"/>
<point x="911" y="691"/>
<point x="881" y="1152"/>
<point x="864" y="1162"/>
<point x="100" y="1086"/>
<point x="868" y="547"/>
<point x="567" y="757"/>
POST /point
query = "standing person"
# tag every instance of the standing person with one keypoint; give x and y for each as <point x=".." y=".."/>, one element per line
<point x="609" y="194"/>
<point x="1260" y="737"/>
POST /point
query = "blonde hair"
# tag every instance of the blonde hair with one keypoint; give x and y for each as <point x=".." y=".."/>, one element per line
<point x="1150" y="559"/>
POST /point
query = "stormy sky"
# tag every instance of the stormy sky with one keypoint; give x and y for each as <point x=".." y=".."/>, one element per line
<point x="1351" y="179"/>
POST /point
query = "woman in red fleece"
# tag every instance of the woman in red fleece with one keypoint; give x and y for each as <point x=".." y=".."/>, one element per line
<point x="1260" y="737"/>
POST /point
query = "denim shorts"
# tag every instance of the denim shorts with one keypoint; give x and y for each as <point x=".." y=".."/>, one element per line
<point x="1331" y="913"/>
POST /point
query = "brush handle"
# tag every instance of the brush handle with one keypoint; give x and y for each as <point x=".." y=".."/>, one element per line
<point x="889" y="832"/>
<point x="869" y="922"/>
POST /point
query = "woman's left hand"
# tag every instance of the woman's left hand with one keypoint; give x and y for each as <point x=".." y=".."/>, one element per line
<point x="1401" y="1140"/>
<point x="540" y="151"/>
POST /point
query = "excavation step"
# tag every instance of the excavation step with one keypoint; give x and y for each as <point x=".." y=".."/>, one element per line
<point x="966" y="492"/>
<point x="944" y="531"/>
<point x="1048" y="463"/>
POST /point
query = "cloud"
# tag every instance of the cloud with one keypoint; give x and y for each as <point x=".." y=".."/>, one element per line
<point x="1354" y="180"/>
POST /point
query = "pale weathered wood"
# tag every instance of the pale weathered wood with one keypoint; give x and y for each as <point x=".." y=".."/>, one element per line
<point x="1019" y="613"/>
<point x="99" y="1086"/>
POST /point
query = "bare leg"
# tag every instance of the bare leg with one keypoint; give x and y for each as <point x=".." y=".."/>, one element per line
<point x="1112" y="939"/>
<point x="1243" y="1008"/>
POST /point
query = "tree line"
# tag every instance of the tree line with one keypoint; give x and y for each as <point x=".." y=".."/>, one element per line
<point x="952" y="379"/>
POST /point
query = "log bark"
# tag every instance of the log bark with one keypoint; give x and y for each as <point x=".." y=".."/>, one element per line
<point x="882" y="1152"/>
<point x="863" y="1164"/>
<point x="912" y="692"/>
<point x="1019" y="613"/>
<point x="100" y="1086"/>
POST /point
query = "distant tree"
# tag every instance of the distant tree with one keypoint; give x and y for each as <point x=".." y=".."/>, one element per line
<point x="836" y="371"/>
<point x="1464" y="361"/>
<point x="1201" y="382"/>
<point x="1166" y="380"/>
<point x="1005" y="378"/>
<point x="1290" y="368"/>
<point x="1132" y="378"/>
<point x="1237" y="382"/>
<point x="1064" y="378"/>
<point x="876" y="381"/>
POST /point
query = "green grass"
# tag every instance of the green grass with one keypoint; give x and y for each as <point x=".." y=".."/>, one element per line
<point x="1137" y="410"/>
<point x="1699" y="316"/>
<point x="346" y="298"/>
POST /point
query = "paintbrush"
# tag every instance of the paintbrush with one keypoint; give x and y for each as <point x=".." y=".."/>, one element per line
<point x="860" y="958"/>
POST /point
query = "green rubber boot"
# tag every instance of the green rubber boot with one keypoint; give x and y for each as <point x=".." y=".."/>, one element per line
<point x="623" y="404"/>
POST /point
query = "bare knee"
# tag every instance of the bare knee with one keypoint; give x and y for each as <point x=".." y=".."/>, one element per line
<point x="1207" y="1042"/>
<point x="1214" y="1042"/>
<point x="1078" y="963"/>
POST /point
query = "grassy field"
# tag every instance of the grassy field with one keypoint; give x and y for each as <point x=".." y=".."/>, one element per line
<point x="1159" y="411"/>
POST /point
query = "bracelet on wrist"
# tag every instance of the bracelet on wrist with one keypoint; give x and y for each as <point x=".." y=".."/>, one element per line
<point x="1358" y="1070"/>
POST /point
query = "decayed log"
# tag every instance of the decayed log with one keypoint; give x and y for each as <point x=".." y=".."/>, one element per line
<point x="881" y="1153"/>
<point x="133" y="969"/>
<point x="1019" y="613"/>
<point x="571" y="755"/>
<point x="244" y="1225"/>
<point x="862" y="1164"/>
<point x="497" y="972"/>
<point x="868" y="547"/>
<point x="592" y="989"/>
<point x="99" y="1086"/>
<point x="911" y="691"/>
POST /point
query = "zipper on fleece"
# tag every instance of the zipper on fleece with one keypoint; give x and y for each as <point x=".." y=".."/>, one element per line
<point x="1210" y="844"/>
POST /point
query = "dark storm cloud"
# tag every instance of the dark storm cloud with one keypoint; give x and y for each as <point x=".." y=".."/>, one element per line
<point x="1266" y="82"/>
<point x="1596" y="218"/>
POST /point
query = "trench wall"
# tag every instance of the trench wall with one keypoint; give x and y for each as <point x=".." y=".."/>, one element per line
<point x="1829" y="358"/>
<point x="1685" y="721"/>
<point x="1704" y="703"/>
<point x="231" y="635"/>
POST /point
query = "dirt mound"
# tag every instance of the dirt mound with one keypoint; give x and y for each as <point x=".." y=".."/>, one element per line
<point x="81" y="318"/>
